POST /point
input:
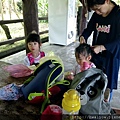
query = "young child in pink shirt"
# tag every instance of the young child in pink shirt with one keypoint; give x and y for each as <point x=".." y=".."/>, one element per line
<point x="83" y="54"/>
<point x="33" y="43"/>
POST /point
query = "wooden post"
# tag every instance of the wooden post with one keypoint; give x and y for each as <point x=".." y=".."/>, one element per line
<point x="83" y="19"/>
<point x="30" y="17"/>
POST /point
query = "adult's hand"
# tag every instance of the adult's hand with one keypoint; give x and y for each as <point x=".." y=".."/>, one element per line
<point x="82" y="40"/>
<point x="98" y="48"/>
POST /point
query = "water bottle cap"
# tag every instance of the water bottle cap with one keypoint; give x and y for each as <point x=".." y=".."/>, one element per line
<point x="71" y="101"/>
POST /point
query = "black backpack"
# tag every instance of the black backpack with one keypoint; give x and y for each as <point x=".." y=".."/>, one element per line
<point x="49" y="74"/>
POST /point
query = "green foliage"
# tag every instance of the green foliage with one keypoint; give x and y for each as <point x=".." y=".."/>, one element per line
<point x="42" y="9"/>
<point x="19" y="6"/>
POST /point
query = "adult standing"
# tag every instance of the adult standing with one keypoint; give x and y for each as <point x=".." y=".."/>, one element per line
<point x="105" y="25"/>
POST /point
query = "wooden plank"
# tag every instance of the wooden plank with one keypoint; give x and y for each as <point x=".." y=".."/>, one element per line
<point x="17" y="49"/>
<point x="11" y="41"/>
<point x="12" y="51"/>
<point x="18" y="39"/>
<point x="18" y="20"/>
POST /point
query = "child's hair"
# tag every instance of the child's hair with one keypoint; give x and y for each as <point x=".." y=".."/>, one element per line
<point x="33" y="37"/>
<point x="91" y="3"/>
<point x="84" y="49"/>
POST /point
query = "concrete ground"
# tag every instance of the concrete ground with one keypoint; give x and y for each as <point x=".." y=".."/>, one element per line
<point x="66" y="53"/>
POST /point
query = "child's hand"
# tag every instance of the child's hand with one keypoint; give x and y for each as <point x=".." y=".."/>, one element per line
<point x="69" y="75"/>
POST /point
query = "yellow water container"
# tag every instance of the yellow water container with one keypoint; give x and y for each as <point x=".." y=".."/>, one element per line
<point x="71" y="102"/>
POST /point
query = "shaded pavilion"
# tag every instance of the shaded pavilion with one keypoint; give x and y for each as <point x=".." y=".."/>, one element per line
<point x="30" y="16"/>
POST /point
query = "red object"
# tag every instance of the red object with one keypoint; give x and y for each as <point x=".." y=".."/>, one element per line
<point x="52" y="112"/>
<point x="39" y="99"/>
<point x="31" y="58"/>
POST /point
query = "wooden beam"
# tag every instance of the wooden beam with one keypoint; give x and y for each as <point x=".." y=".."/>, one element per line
<point x="18" y="20"/>
<point x="18" y="39"/>
<point x="17" y="49"/>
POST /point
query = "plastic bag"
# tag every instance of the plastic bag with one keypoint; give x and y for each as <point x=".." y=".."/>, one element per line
<point x="18" y="70"/>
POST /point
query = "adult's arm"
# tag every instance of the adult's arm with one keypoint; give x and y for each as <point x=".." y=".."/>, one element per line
<point x="114" y="46"/>
<point x="90" y="27"/>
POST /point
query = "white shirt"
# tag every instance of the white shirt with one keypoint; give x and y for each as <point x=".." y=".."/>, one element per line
<point x="27" y="62"/>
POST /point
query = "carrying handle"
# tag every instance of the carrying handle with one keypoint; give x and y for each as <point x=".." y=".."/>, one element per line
<point x="33" y="95"/>
<point x="62" y="82"/>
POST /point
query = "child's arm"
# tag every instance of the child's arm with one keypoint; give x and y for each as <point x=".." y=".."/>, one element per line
<point x="26" y="61"/>
<point x="69" y="75"/>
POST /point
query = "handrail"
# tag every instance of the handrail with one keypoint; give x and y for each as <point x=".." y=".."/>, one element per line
<point x="9" y="41"/>
<point x="18" y="20"/>
<point x="18" y="39"/>
<point x="17" y="49"/>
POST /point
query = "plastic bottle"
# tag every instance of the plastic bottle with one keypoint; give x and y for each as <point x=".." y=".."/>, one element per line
<point x="71" y="104"/>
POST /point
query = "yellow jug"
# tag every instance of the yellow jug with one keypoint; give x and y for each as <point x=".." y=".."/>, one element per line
<point x="71" y="102"/>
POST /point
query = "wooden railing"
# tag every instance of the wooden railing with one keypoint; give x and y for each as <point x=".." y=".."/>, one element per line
<point x="18" y="20"/>
<point x="10" y="41"/>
